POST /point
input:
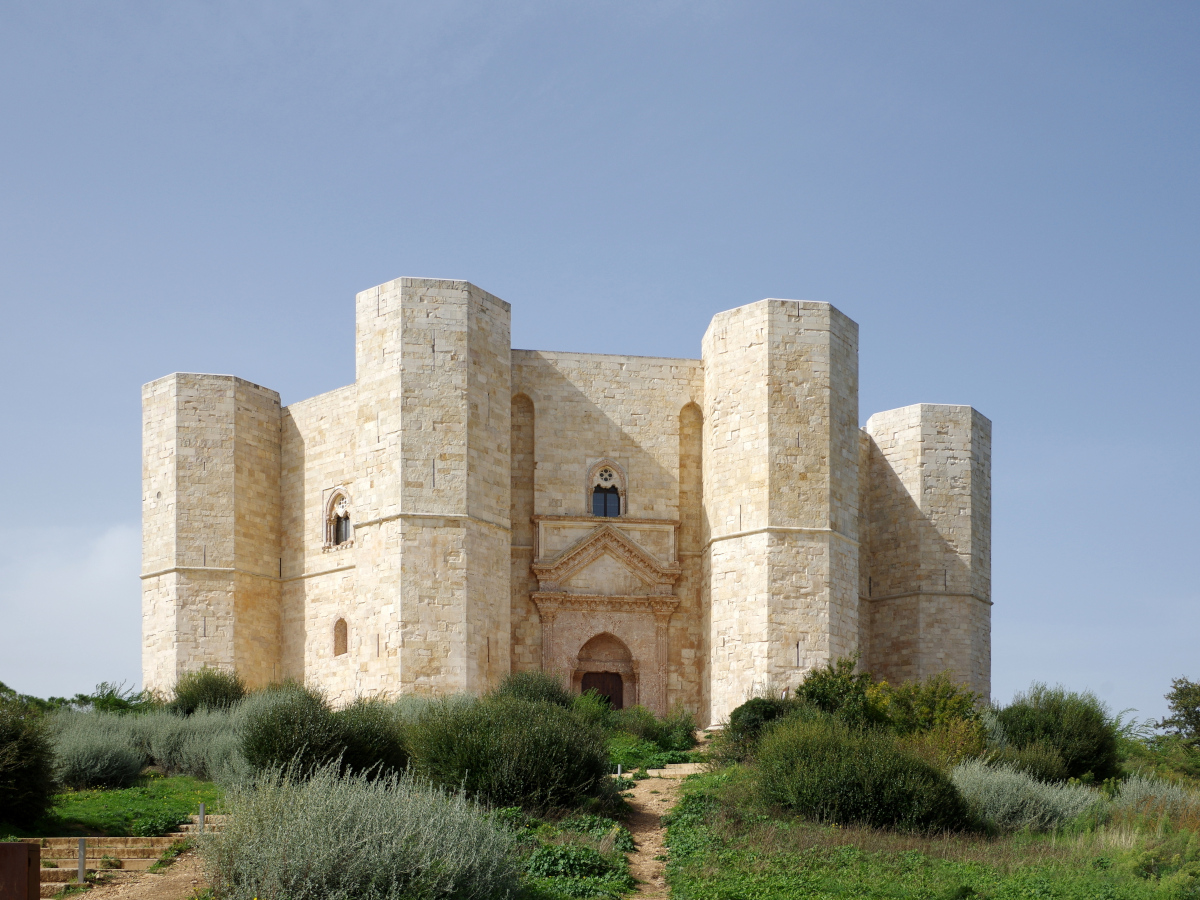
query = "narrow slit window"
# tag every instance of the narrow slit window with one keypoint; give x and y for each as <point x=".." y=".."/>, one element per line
<point x="606" y="502"/>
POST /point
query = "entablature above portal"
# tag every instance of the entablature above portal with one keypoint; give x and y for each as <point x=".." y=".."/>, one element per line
<point x="555" y="535"/>
<point x="635" y="569"/>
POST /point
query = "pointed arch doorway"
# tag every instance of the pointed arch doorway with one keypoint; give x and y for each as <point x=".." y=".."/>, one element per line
<point x="605" y="664"/>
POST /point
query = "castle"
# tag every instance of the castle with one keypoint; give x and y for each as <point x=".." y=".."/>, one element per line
<point x="663" y="530"/>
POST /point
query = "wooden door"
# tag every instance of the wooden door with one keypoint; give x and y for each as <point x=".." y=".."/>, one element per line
<point x="607" y="684"/>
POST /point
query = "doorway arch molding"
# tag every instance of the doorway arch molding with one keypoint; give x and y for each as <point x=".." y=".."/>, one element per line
<point x="605" y="652"/>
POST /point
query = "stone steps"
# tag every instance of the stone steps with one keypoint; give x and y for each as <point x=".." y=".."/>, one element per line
<point x="135" y="854"/>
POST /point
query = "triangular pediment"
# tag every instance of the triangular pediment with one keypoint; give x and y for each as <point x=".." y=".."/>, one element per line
<point x="605" y="561"/>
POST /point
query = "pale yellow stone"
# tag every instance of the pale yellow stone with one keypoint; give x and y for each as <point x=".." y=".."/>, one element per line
<point x="762" y="532"/>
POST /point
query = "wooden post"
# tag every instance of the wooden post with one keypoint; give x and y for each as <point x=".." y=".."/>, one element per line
<point x="20" y="870"/>
<point x="202" y="818"/>
<point x="82" y="860"/>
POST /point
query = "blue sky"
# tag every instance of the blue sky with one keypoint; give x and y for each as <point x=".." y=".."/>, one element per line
<point x="1003" y="195"/>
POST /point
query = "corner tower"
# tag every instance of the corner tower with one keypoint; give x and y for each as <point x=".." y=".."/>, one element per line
<point x="781" y="494"/>
<point x="210" y="528"/>
<point x="926" y="560"/>
<point x="432" y="493"/>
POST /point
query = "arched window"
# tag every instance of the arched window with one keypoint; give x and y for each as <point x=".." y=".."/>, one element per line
<point x="341" y="637"/>
<point x="606" y="485"/>
<point x="338" y="530"/>
<point x="606" y="501"/>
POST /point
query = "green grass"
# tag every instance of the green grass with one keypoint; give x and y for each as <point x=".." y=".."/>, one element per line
<point x="154" y="806"/>
<point x="720" y="853"/>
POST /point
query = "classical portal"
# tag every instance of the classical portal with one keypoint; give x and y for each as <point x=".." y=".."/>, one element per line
<point x="665" y="531"/>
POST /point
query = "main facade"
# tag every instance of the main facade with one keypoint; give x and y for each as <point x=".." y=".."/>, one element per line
<point x="665" y="530"/>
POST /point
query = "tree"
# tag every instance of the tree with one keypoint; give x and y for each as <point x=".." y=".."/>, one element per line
<point x="1184" y="703"/>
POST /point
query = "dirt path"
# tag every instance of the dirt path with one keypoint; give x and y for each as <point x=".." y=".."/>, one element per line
<point x="179" y="882"/>
<point x="652" y="798"/>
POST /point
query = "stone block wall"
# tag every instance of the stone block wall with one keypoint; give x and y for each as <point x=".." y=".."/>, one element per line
<point x="211" y="458"/>
<point x="630" y="410"/>
<point x="926" y="569"/>
<point x="780" y="493"/>
<point x="320" y="455"/>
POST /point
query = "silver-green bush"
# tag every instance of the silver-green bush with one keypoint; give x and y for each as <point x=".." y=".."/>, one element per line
<point x="95" y="750"/>
<point x="185" y="745"/>
<point x="1142" y="793"/>
<point x="1010" y="800"/>
<point x="337" y="837"/>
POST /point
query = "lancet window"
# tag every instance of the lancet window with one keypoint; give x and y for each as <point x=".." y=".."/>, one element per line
<point x="339" y="531"/>
<point x="606" y="489"/>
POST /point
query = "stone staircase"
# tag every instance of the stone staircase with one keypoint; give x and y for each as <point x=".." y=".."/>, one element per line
<point x="119" y="858"/>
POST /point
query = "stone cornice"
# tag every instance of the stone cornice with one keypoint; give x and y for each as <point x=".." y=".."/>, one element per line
<point x="595" y="520"/>
<point x="779" y="529"/>
<point x="968" y="594"/>
<point x="551" y="602"/>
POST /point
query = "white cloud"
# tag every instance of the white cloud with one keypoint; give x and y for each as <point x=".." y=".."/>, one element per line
<point x="70" y="608"/>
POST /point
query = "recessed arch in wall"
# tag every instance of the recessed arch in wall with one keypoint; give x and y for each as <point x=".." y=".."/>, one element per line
<point x="341" y="638"/>
<point x="606" y="663"/>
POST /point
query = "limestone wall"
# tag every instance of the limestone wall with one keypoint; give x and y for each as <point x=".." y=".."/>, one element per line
<point x="211" y="448"/>
<point x="454" y="494"/>
<point x="159" y="502"/>
<point x="780" y="494"/>
<point x="629" y="410"/>
<point x="927" y="523"/>
<point x="525" y="625"/>
<point x="319" y="457"/>
<point x="420" y="445"/>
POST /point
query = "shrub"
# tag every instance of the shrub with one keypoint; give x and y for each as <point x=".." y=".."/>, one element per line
<point x="535" y="687"/>
<point x="747" y="721"/>
<point x="94" y="750"/>
<point x="1077" y="725"/>
<point x="594" y="708"/>
<point x="207" y="689"/>
<point x="509" y="752"/>
<point x="936" y="702"/>
<point x="198" y="745"/>
<point x="1039" y="760"/>
<point x="852" y="697"/>
<point x="824" y="770"/>
<point x="1184" y="703"/>
<point x="1138" y="793"/>
<point x="948" y="743"/>
<point x="631" y="752"/>
<point x="344" y="836"/>
<point x="289" y="726"/>
<point x="107" y="697"/>
<point x="1009" y="800"/>
<point x="674" y="732"/>
<point x="371" y="737"/>
<point x="26" y="765"/>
